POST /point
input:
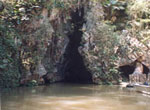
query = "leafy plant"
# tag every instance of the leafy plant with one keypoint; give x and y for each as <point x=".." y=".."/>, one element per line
<point x="9" y="69"/>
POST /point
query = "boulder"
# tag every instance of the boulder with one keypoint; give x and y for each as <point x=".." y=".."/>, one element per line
<point x="30" y="79"/>
<point x="137" y="78"/>
<point x="40" y="70"/>
<point x="139" y="68"/>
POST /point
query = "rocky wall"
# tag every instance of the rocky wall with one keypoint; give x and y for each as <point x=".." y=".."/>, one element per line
<point x="76" y="44"/>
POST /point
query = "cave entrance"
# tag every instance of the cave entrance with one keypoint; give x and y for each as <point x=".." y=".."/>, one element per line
<point x="73" y="67"/>
<point x="126" y="70"/>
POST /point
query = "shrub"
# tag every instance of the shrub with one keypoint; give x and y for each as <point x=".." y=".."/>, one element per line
<point x="9" y="69"/>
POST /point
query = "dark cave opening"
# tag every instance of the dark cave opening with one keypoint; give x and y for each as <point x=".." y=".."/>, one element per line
<point x="146" y="70"/>
<point x="126" y="70"/>
<point x="73" y="68"/>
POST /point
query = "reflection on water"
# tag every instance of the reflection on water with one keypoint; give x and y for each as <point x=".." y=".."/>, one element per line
<point x="74" y="97"/>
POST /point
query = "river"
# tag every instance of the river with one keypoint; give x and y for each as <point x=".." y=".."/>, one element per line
<point x="73" y="97"/>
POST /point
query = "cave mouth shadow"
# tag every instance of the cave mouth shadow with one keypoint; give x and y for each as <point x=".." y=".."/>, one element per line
<point x="73" y="68"/>
<point x="126" y="70"/>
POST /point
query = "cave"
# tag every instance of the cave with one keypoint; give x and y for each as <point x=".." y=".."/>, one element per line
<point x="126" y="70"/>
<point x="145" y="69"/>
<point x="72" y="67"/>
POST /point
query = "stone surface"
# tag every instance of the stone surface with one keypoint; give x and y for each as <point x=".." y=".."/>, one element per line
<point x="44" y="42"/>
<point x="53" y="31"/>
<point x="40" y="70"/>
<point x="142" y="78"/>
<point x="52" y="77"/>
<point x="139" y="68"/>
<point x="30" y="78"/>
<point x="137" y="78"/>
<point x="148" y="79"/>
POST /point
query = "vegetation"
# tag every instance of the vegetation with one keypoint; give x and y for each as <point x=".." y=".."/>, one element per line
<point x="11" y="41"/>
<point x="119" y="29"/>
<point x="105" y="55"/>
<point x="21" y="53"/>
<point x="9" y="59"/>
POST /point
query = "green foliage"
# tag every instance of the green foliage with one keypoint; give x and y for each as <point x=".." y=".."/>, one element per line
<point x="15" y="14"/>
<point x="103" y="58"/>
<point x="9" y="71"/>
<point x="114" y="4"/>
<point x="139" y="8"/>
<point x="139" y="26"/>
<point x="32" y="83"/>
<point x="60" y="4"/>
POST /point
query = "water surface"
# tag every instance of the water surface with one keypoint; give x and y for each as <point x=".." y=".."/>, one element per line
<point x="74" y="97"/>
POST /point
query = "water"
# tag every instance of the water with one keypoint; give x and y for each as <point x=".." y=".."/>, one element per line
<point x="74" y="97"/>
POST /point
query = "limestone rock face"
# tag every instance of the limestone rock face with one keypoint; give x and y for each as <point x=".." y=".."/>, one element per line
<point x="138" y="78"/>
<point x="105" y="50"/>
<point x="130" y="55"/>
<point x="41" y="47"/>
<point x="148" y="78"/>
<point x="45" y="41"/>
<point x="102" y="49"/>
<point x="97" y="46"/>
<point x="40" y="70"/>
